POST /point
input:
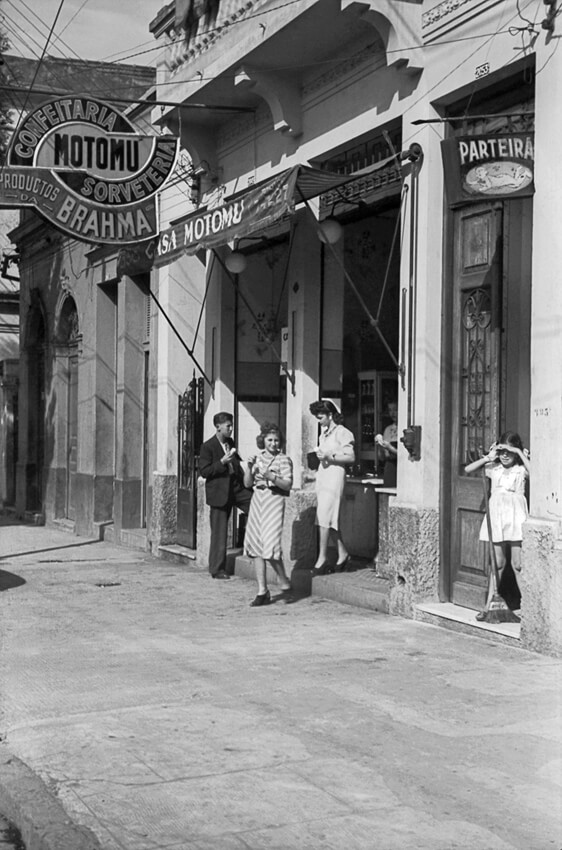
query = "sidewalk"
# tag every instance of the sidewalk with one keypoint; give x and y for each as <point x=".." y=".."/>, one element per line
<point x="162" y="712"/>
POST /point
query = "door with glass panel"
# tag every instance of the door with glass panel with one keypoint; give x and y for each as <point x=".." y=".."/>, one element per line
<point x="490" y="374"/>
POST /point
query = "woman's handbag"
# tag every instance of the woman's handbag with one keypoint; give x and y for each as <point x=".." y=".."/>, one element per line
<point x="313" y="460"/>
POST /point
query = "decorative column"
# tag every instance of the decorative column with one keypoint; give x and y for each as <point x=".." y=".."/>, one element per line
<point x="541" y="578"/>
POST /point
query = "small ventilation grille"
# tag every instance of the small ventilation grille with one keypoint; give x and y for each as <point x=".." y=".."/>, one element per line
<point x="147" y="318"/>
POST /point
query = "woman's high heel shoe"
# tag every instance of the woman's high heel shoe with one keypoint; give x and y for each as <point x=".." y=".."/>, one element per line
<point x="261" y="599"/>
<point x="323" y="570"/>
<point x="341" y="566"/>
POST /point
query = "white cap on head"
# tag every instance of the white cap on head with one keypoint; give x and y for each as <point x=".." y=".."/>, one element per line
<point x="331" y="400"/>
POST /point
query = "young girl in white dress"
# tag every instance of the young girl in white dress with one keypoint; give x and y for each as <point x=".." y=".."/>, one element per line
<point x="507" y="465"/>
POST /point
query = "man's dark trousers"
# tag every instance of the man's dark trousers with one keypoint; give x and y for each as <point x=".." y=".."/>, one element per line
<point x="224" y="488"/>
<point x="238" y="496"/>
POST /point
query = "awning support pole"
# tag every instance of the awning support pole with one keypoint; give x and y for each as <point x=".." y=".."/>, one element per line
<point x="173" y="327"/>
<point x="290" y="375"/>
<point x="372" y="321"/>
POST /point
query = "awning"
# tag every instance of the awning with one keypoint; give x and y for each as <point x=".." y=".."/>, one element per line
<point x="242" y="214"/>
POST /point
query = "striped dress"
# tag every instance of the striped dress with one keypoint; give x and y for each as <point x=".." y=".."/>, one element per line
<point x="265" y="519"/>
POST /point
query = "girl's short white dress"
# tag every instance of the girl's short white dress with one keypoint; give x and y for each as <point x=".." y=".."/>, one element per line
<point x="330" y="477"/>
<point x="508" y="505"/>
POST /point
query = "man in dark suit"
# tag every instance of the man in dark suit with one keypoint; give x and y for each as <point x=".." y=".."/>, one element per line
<point x="219" y="465"/>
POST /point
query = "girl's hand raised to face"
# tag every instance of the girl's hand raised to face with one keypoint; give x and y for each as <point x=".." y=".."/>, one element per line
<point x="493" y="452"/>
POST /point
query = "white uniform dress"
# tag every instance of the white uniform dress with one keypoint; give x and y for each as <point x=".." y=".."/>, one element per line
<point x="508" y="505"/>
<point x="330" y="477"/>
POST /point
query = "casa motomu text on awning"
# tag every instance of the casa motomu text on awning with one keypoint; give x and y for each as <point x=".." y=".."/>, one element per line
<point x="251" y="211"/>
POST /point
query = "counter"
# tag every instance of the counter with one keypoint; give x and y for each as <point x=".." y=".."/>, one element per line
<point x="359" y="516"/>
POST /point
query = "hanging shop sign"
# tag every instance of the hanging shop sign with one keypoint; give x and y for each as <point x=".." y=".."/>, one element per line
<point x="253" y="210"/>
<point x="83" y="165"/>
<point x="488" y="167"/>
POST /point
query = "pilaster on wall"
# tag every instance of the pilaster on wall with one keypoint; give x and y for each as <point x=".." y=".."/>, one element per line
<point x="130" y="402"/>
<point x="541" y="576"/>
<point x="546" y="310"/>
<point x="220" y="341"/>
<point x="408" y="554"/>
<point x="180" y="290"/>
<point x="104" y="382"/>
<point x="421" y="262"/>
<point x="304" y="312"/>
<point x="541" y="588"/>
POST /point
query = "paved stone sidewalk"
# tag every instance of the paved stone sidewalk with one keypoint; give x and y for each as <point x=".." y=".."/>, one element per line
<point x="163" y="712"/>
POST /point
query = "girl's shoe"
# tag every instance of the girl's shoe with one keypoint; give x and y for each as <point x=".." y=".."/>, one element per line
<point x="481" y="616"/>
<point x="261" y="599"/>
<point x="322" y="570"/>
<point x="341" y="566"/>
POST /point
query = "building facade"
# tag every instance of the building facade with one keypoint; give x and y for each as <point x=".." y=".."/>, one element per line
<point x="449" y="308"/>
<point x="84" y="353"/>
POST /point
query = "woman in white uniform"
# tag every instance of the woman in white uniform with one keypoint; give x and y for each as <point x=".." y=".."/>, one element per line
<point x="335" y="451"/>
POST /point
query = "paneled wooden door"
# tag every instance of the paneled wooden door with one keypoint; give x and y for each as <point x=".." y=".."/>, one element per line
<point x="72" y="436"/>
<point x="489" y="376"/>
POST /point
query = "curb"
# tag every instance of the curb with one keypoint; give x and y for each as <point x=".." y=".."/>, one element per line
<point x="36" y="813"/>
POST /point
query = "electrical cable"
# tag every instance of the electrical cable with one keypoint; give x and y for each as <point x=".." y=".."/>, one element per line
<point x="56" y="38"/>
<point x="59" y="10"/>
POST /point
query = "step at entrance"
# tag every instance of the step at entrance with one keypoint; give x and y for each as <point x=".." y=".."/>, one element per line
<point x="459" y="619"/>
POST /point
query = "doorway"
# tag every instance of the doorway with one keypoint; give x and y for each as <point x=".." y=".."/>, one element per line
<point x="487" y="371"/>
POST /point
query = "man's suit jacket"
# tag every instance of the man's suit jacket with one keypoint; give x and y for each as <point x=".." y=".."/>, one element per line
<point x="215" y="473"/>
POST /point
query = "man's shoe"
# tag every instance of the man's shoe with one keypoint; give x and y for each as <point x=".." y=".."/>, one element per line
<point x="221" y="574"/>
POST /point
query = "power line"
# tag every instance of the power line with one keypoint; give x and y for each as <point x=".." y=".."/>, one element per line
<point x="43" y="23"/>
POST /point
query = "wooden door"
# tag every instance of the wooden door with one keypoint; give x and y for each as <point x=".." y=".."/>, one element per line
<point x="72" y="436"/>
<point x="476" y="387"/>
<point x="488" y="384"/>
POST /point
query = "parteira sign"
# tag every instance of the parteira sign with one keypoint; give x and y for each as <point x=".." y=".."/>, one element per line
<point x="86" y="169"/>
<point x="498" y="166"/>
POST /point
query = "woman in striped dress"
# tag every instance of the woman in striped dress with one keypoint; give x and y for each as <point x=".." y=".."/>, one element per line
<point x="270" y="473"/>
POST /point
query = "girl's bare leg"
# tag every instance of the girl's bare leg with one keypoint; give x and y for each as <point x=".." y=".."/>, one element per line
<point x="516" y="561"/>
<point x="281" y="574"/>
<point x="259" y="565"/>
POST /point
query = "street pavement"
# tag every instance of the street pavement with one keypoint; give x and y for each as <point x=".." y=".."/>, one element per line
<point x="162" y="711"/>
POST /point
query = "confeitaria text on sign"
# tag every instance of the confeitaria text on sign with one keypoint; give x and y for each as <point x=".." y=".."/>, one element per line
<point x="60" y="112"/>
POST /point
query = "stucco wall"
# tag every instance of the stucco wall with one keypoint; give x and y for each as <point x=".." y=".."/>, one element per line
<point x="541" y="588"/>
<point x="408" y="555"/>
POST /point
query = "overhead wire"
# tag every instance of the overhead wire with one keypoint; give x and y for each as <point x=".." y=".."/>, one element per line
<point x="45" y="26"/>
<point x="338" y="59"/>
<point x="12" y="30"/>
<point x="42" y="56"/>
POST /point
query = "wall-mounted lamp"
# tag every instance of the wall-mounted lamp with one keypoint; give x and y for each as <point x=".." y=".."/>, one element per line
<point x="411" y="439"/>
<point x="330" y="231"/>
<point x="236" y="262"/>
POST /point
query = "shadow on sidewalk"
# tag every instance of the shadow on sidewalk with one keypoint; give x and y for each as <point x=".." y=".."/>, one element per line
<point x="48" y="549"/>
<point x="9" y="580"/>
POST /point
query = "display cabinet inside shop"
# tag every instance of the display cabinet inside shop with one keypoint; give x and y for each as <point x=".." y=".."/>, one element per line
<point x="376" y="391"/>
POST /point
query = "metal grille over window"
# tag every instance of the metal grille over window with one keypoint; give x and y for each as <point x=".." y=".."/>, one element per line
<point x="476" y="374"/>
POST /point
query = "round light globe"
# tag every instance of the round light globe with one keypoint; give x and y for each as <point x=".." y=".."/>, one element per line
<point x="330" y="231"/>
<point x="236" y="262"/>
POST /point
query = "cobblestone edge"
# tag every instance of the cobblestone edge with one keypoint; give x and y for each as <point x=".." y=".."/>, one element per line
<point x="38" y="815"/>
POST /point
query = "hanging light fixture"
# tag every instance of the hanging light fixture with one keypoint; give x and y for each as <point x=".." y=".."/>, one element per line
<point x="330" y="231"/>
<point x="236" y="262"/>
